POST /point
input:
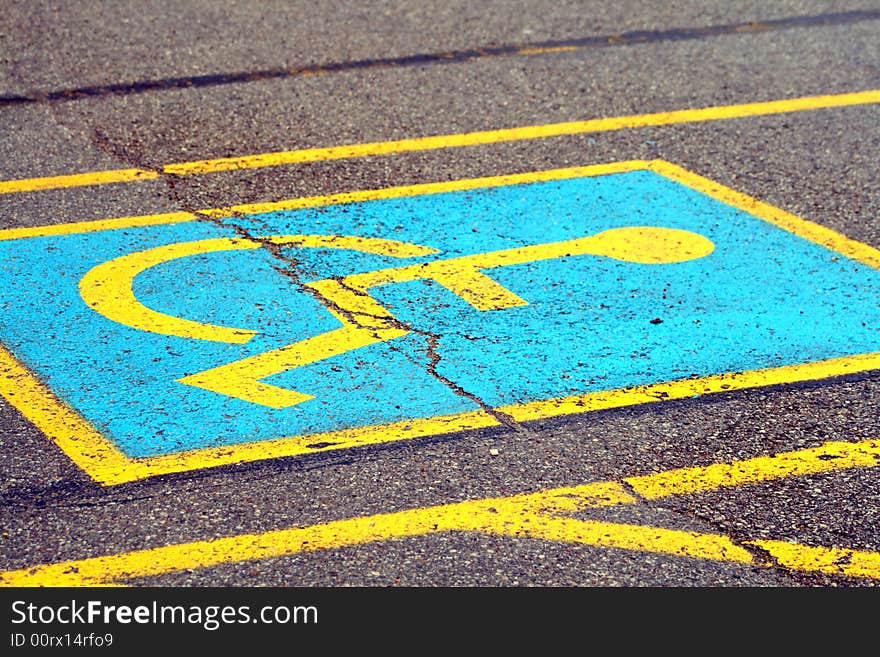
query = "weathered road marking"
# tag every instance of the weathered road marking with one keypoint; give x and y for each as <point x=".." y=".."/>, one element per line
<point x="543" y="515"/>
<point x="281" y="158"/>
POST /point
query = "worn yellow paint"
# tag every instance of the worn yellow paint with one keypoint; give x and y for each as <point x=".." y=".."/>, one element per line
<point x="281" y="158"/>
<point x="831" y="561"/>
<point x="547" y="50"/>
<point x="77" y="180"/>
<point x="570" y="499"/>
<point x="528" y="515"/>
<point x="825" y="458"/>
<point x="119" y="223"/>
<point x="107" y="288"/>
<point x="366" y="322"/>
<point x="37" y="403"/>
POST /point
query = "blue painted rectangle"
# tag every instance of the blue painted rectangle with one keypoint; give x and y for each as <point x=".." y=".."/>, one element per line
<point x="763" y="298"/>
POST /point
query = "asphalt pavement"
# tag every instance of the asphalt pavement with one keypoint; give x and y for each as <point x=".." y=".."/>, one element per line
<point x="711" y="423"/>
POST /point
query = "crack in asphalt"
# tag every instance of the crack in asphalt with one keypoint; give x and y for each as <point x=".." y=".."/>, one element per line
<point x="761" y="556"/>
<point x="432" y="352"/>
<point x="291" y="268"/>
<point x="491" y="50"/>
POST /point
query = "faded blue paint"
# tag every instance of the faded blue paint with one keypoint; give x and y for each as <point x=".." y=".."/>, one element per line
<point x="763" y="298"/>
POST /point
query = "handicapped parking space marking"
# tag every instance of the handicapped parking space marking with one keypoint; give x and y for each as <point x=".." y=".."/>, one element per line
<point x="544" y="515"/>
<point x="108" y="289"/>
<point x="149" y="346"/>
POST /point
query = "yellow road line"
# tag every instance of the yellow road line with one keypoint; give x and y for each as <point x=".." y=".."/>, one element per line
<point x="95" y="226"/>
<point x="280" y="158"/>
<point x="77" y="180"/>
<point x="825" y="458"/>
<point x="324" y="200"/>
<point x="831" y="561"/>
<point x="528" y="515"/>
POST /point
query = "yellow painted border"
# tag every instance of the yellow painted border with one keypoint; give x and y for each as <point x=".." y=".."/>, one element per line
<point x="98" y="457"/>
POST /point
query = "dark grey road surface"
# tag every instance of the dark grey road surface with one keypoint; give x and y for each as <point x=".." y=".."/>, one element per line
<point x="89" y="86"/>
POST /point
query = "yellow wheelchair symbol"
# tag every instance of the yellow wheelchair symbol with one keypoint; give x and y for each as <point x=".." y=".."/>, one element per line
<point x="107" y="288"/>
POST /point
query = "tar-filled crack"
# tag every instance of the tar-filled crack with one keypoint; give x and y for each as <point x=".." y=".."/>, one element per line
<point x="291" y="268"/>
<point x="760" y="556"/>
<point x="432" y="342"/>
<point x="76" y="494"/>
<point x="64" y="497"/>
<point x="103" y="143"/>
<point x="490" y="50"/>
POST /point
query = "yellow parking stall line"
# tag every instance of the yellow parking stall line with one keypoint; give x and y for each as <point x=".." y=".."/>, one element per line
<point x="77" y="180"/>
<point x="483" y="137"/>
<point x="529" y="515"/>
<point x="827" y="457"/>
<point x="641" y="538"/>
<point x="96" y="226"/>
<point x="831" y="561"/>
<point x="120" y="223"/>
